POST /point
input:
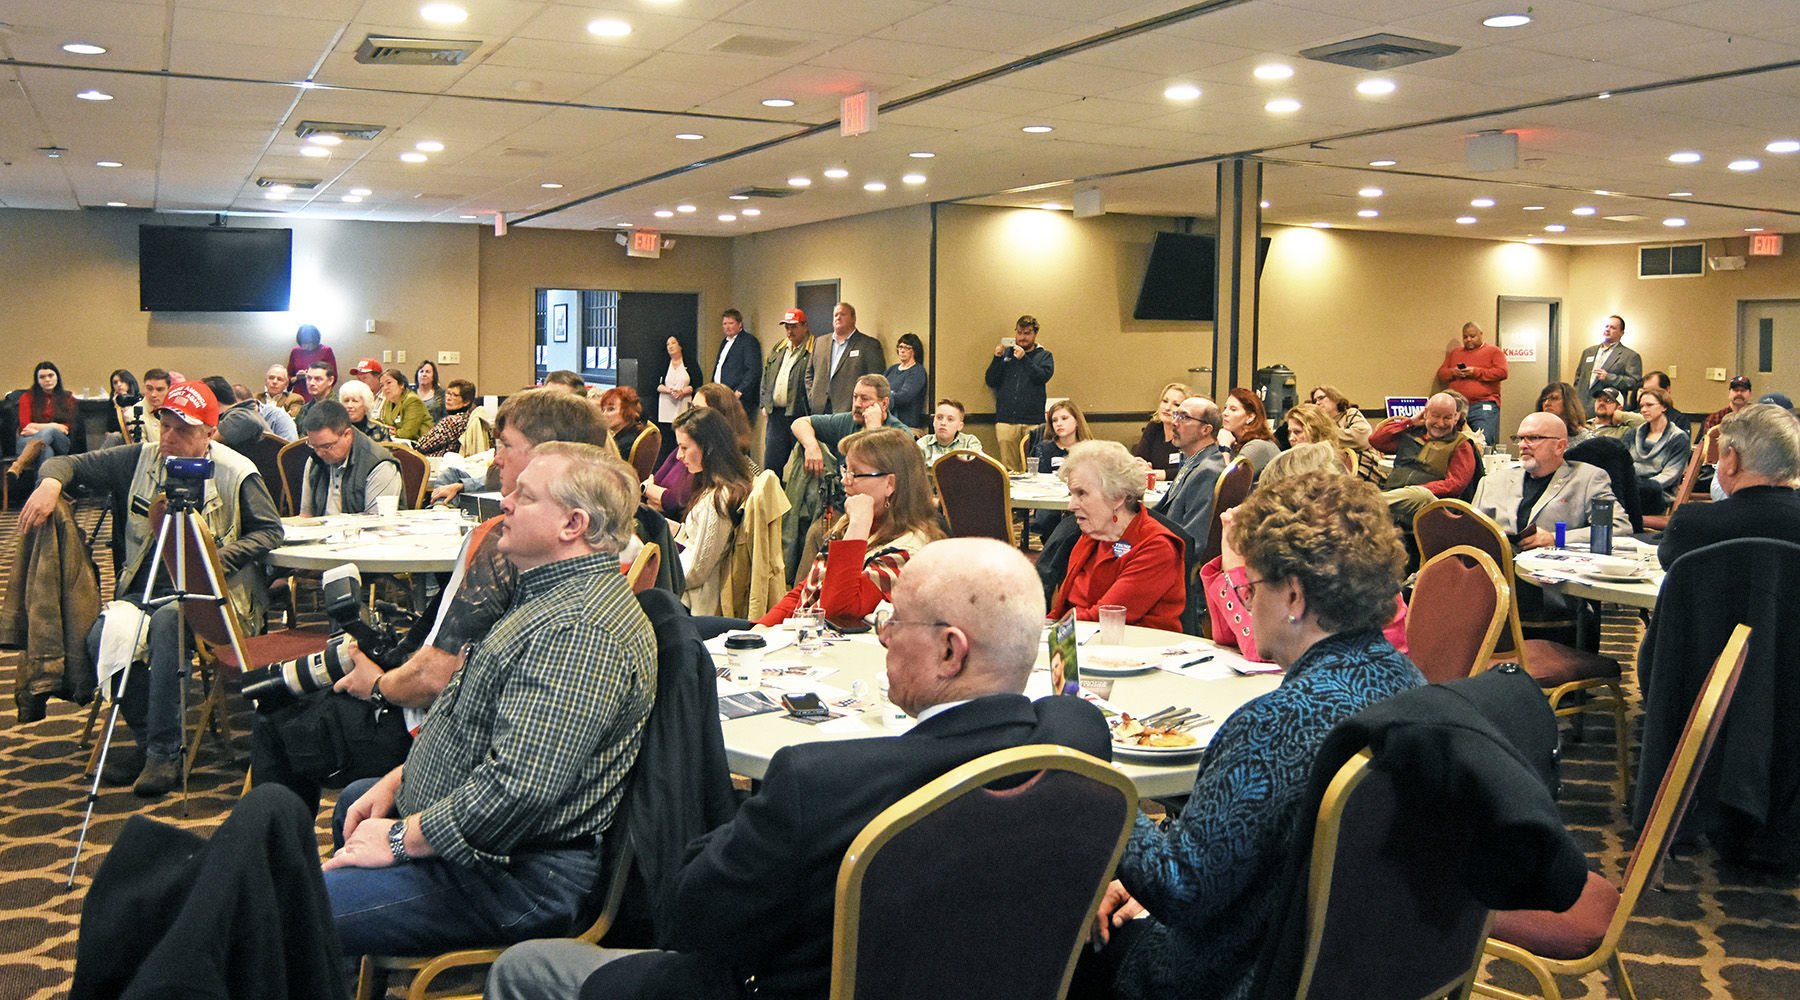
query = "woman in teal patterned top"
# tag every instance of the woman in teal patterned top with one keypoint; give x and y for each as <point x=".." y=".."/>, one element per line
<point x="1325" y="564"/>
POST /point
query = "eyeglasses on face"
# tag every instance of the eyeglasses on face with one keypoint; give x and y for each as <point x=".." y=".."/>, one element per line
<point x="1531" y="438"/>
<point x="1246" y="591"/>
<point x="866" y="475"/>
<point x="884" y="620"/>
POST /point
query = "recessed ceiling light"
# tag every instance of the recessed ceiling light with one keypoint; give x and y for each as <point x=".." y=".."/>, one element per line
<point x="1282" y="106"/>
<point x="84" y="49"/>
<point x="752" y="212"/>
<point x="836" y="173"/>
<point x="1273" y="71"/>
<point x="1368" y="213"/>
<point x="1534" y="239"/>
<point x="799" y="182"/>
<point x="1265" y="204"/>
<point x="1783" y="146"/>
<point x="316" y="152"/>
<point x="663" y="213"/>
<point x="689" y="136"/>
<point x="361" y="192"/>
<point x="275" y="194"/>
<point x="1743" y="166"/>
<point x="1466" y="220"/>
<point x="738" y="197"/>
<point x="115" y="204"/>
<point x="914" y="178"/>
<point x="282" y="188"/>
<point x="1603" y="193"/>
<point x="108" y="163"/>
<point x="1383" y="163"/>
<point x="1681" y="194"/>
<point x="468" y="216"/>
<point x="727" y="217"/>
<point x="413" y="157"/>
<point x="429" y="146"/>
<point x="777" y="102"/>
<point x="324" y="139"/>
<point x="921" y="155"/>
<point x="875" y="186"/>
<point x="1533" y="208"/>
<point x="1506" y="20"/>
<point x="609" y="27"/>
<point x="684" y="209"/>
<point x="627" y="225"/>
<point x="352" y="199"/>
<point x="1753" y="229"/>
<point x="1482" y="203"/>
<point x="1376" y="87"/>
<point x="1321" y="225"/>
<point x="550" y="185"/>
<point x="1582" y="210"/>
<point x="1052" y="206"/>
<point x="1604" y="95"/>
<point x="94" y="95"/>
<point x="1370" y="192"/>
<point x="1182" y="92"/>
<point x="1674" y="223"/>
<point x="1037" y="129"/>
<point x="443" y="13"/>
<point x="1685" y="156"/>
<point x="1555" y="227"/>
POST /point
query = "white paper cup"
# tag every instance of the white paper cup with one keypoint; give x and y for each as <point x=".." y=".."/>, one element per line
<point x="387" y="508"/>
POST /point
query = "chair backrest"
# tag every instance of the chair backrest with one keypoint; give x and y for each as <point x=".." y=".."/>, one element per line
<point x="415" y="475"/>
<point x="1443" y="524"/>
<point x="644" y="568"/>
<point x="1705" y="452"/>
<point x="1231" y="489"/>
<point x="643" y="450"/>
<point x="1017" y="871"/>
<point x="976" y="495"/>
<point x="1026" y="445"/>
<point x="1614" y="457"/>
<point x="1457" y="613"/>
<point x="290" y="462"/>
<point x="1388" y="911"/>
<point x="264" y="452"/>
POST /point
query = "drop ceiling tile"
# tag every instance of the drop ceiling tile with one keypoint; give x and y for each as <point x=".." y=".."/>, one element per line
<point x="559" y="22"/>
<point x="252" y="62"/>
<point x="1099" y="109"/>
<point x="736" y="71"/>
<point x="1273" y="28"/>
<point x="658" y="95"/>
<point x="1020" y="33"/>
<point x="1162" y="52"/>
<point x="914" y="58"/>
<point x="525" y="84"/>
<point x="998" y="98"/>
<point x="1082" y="80"/>
<point x="826" y="81"/>
<point x="564" y="56"/>
<point x="488" y="18"/>
<point x="848" y="18"/>
<point x="796" y="42"/>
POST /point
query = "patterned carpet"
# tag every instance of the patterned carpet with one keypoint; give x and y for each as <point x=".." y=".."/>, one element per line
<point x="1716" y="932"/>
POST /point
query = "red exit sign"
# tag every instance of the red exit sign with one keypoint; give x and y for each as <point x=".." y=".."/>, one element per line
<point x="1765" y="244"/>
<point x="644" y="243"/>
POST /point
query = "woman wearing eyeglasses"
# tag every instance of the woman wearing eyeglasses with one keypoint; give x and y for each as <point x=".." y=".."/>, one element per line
<point x="1324" y="564"/>
<point x="1123" y="556"/>
<point x="888" y="516"/>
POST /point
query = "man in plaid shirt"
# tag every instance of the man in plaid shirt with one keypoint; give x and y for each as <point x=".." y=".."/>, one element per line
<point x="488" y="832"/>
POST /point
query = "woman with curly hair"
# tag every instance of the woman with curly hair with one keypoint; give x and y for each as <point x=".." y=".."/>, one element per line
<point x="1325" y="564"/>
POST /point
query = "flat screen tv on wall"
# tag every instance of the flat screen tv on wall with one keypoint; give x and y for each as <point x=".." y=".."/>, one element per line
<point x="214" y="269"/>
<point x="1178" y="283"/>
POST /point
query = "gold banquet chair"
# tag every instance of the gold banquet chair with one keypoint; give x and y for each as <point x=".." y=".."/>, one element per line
<point x="1457" y="612"/>
<point x="958" y="853"/>
<point x="976" y="495"/>
<point x="1585" y="937"/>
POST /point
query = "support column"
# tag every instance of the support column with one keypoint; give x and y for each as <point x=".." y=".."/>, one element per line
<point x="1240" y="224"/>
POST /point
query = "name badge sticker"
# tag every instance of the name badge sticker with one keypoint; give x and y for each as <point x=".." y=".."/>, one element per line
<point x="1120" y="548"/>
<point x="856" y="353"/>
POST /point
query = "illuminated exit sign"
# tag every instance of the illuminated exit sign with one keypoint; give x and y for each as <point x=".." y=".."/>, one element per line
<point x="644" y="243"/>
<point x="856" y="114"/>
<point x="1765" y="244"/>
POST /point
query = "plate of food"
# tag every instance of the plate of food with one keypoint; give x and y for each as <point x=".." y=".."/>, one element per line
<point x="1132" y="739"/>
<point x="1608" y="576"/>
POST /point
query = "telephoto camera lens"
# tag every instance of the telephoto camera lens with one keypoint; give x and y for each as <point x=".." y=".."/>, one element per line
<point x="280" y="684"/>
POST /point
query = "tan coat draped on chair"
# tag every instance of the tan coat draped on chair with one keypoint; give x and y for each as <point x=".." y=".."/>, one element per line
<point x="52" y="599"/>
<point x="756" y="576"/>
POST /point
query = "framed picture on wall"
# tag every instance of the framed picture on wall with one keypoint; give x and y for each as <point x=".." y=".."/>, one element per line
<point x="559" y="322"/>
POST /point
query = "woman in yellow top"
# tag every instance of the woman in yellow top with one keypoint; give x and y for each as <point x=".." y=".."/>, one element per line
<point x="401" y="408"/>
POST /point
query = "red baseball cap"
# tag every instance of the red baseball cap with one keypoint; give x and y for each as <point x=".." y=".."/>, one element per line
<point x="367" y="366"/>
<point x="192" y="402"/>
<point x="793" y="316"/>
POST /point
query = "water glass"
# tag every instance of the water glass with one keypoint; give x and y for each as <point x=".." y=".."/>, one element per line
<point x="809" y="630"/>
<point x="1112" y="624"/>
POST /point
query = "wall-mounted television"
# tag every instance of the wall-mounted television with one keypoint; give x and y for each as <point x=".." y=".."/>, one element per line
<point x="214" y="269"/>
<point x="1179" y="281"/>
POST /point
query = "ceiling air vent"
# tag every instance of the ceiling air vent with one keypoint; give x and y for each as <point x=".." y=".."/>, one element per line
<point x="390" y="50"/>
<point x="762" y="192"/>
<point x="1682" y="260"/>
<point x="343" y="130"/>
<point x="757" y="45"/>
<point x="1379" y="52"/>
<point x="297" y="183"/>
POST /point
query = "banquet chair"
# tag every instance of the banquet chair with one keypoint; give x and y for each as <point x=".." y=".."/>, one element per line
<point x="644" y="449"/>
<point x="1388" y="912"/>
<point x="415" y="475"/>
<point x="1456" y="615"/>
<point x="1231" y="489"/>
<point x="1704" y="453"/>
<point x="958" y="853"/>
<point x="1585" y="937"/>
<point x="642" y="575"/>
<point x="291" y="462"/>
<point x="1562" y="670"/>
<point x="264" y="452"/>
<point x="976" y="495"/>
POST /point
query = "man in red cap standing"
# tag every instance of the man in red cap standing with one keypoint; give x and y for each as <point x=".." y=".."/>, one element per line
<point x="784" y="389"/>
<point x="241" y="515"/>
<point x="368" y="372"/>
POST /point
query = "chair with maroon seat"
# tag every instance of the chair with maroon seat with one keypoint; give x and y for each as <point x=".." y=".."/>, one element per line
<point x="291" y="462"/>
<point x="1562" y="670"/>
<point x="1231" y="489"/>
<point x="1457" y="612"/>
<point x="976" y="495"/>
<point x="1585" y="937"/>
<point x="415" y="475"/>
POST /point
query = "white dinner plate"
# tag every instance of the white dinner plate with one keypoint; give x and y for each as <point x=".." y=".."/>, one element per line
<point x="1616" y="577"/>
<point x="1156" y="755"/>
<point x="1114" y="669"/>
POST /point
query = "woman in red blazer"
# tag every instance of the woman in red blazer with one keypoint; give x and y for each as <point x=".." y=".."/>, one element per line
<point x="1123" y="556"/>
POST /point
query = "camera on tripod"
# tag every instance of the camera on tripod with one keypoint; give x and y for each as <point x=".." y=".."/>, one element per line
<point x="184" y="481"/>
<point x="381" y="637"/>
<point x="131" y="405"/>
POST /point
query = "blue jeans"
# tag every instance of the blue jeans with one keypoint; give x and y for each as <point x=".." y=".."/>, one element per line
<point x="1485" y="417"/>
<point x="429" y="906"/>
<point x="54" y="437"/>
<point x="152" y="704"/>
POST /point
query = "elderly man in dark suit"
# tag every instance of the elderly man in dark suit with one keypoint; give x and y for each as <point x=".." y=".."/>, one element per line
<point x="756" y="895"/>
<point x="839" y="359"/>
<point x="1759" y="466"/>
<point x="739" y="365"/>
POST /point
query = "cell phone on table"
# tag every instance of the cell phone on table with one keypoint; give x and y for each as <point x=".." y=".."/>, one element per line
<point x="805" y="706"/>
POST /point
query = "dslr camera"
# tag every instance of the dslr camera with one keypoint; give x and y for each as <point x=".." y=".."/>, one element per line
<point x="184" y="481"/>
<point x="132" y="406"/>
<point x="381" y="636"/>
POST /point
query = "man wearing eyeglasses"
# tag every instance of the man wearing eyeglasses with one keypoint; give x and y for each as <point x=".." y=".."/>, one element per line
<point x="348" y="471"/>
<point x="756" y="895"/>
<point x="1196" y="422"/>
<point x="1528" y="505"/>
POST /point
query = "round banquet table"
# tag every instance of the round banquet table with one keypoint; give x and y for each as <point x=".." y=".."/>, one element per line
<point x="414" y="541"/>
<point x="1035" y="491"/>
<point x="1567" y="571"/>
<point x="751" y="741"/>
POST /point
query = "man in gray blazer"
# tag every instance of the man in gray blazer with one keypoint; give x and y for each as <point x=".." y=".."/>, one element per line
<point x="1610" y="363"/>
<point x="1190" y="498"/>
<point x="1528" y="504"/>
<point x="839" y="359"/>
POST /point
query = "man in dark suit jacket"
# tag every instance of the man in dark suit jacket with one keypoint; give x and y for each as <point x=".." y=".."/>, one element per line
<point x="839" y="359"/>
<point x="1610" y="363"/>
<point x="1759" y="464"/>
<point x="739" y="365"/>
<point x="756" y="895"/>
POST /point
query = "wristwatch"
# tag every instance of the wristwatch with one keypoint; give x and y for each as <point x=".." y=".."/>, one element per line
<point x="378" y="699"/>
<point x="397" y="841"/>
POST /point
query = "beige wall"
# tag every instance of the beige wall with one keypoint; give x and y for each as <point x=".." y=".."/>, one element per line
<point x="69" y="293"/>
<point x="514" y="266"/>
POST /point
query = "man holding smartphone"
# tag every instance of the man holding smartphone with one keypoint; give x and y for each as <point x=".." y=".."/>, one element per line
<point x="1476" y="370"/>
<point x="1020" y="370"/>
